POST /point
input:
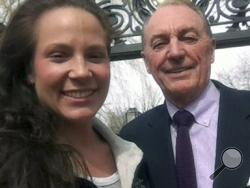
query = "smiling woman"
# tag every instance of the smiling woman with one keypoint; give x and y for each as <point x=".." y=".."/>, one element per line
<point x="54" y="77"/>
<point x="71" y="64"/>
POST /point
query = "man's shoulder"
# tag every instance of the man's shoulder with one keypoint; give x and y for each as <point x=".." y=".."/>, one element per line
<point x="231" y="92"/>
<point x="140" y="124"/>
<point x="147" y="116"/>
<point x="233" y="101"/>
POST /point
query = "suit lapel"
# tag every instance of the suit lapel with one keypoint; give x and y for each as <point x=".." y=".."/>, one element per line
<point x="163" y="158"/>
<point x="233" y="131"/>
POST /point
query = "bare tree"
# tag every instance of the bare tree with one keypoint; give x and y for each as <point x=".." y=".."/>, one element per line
<point x="113" y="117"/>
<point x="131" y="87"/>
<point x="238" y="76"/>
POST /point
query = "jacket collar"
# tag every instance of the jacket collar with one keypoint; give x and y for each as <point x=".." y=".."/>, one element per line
<point x="123" y="152"/>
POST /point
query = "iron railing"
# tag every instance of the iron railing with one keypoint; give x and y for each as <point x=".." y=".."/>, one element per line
<point x="229" y="21"/>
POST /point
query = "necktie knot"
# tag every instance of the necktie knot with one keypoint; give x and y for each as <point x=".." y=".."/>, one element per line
<point x="183" y="118"/>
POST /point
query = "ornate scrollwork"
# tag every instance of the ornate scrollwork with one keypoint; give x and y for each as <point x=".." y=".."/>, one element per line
<point x="128" y="16"/>
<point x="228" y="19"/>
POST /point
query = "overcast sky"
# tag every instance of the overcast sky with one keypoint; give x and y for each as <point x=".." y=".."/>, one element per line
<point x="227" y="58"/>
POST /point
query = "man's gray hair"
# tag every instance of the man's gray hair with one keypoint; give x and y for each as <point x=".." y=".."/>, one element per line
<point x="188" y="4"/>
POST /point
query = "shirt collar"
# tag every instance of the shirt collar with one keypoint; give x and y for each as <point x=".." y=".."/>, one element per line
<point x="203" y="107"/>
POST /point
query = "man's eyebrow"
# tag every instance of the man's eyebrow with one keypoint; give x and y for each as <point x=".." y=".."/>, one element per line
<point x="188" y="29"/>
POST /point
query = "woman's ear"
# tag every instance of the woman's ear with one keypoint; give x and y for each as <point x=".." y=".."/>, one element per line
<point x="31" y="79"/>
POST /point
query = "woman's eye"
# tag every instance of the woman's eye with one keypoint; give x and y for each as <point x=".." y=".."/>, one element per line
<point x="98" y="57"/>
<point x="58" y="57"/>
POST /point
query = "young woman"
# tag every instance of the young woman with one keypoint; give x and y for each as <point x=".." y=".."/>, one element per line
<point x="54" y="77"/>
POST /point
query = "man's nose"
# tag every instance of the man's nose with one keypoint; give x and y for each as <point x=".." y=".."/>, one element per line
<point x="79" y="69"/>
<point x="175" y="50"/>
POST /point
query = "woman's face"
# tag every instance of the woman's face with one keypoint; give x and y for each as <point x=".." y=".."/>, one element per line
<point x="71" y="69"/>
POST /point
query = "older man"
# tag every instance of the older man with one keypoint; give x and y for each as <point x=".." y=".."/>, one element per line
<point x="184" y="139"/>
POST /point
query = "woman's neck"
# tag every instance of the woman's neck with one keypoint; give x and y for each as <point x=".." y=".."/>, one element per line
<point x="94" y="151"/>
<point x="77" y="135"/>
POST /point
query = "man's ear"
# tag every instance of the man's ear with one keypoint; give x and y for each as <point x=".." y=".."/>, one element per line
<point x="146" y="62"/>
<point x="213" y="50"/>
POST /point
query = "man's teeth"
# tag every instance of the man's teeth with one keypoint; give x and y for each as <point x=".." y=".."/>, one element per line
<point x="178" y="70"/>
<point x="78" y="94"/>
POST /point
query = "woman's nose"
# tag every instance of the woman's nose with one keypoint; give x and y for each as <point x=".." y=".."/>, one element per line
<point x="79" y="69"/>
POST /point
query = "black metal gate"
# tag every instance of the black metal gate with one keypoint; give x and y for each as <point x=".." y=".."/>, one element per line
<point x="229" y="21"/>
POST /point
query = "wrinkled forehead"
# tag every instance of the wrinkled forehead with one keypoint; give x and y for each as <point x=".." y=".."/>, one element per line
<point x="174" y="17"/>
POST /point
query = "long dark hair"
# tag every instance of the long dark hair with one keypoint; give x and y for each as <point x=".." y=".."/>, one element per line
<point x="29" y="155"/>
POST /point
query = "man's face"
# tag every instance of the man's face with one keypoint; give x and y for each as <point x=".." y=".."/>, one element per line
<point x="178" y="53"/>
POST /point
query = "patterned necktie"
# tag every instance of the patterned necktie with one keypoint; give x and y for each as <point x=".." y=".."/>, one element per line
<point x="185" y="168"/>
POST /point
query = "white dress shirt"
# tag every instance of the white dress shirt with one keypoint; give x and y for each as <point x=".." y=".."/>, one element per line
<point x="203" y="133"/>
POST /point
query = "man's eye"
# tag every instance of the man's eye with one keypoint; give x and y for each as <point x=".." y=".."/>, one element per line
<point x="189" y="39"/>
<point x="159" y="44"/>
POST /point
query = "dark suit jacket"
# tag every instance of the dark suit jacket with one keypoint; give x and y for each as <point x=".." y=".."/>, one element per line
<point x="151" y="132"/>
